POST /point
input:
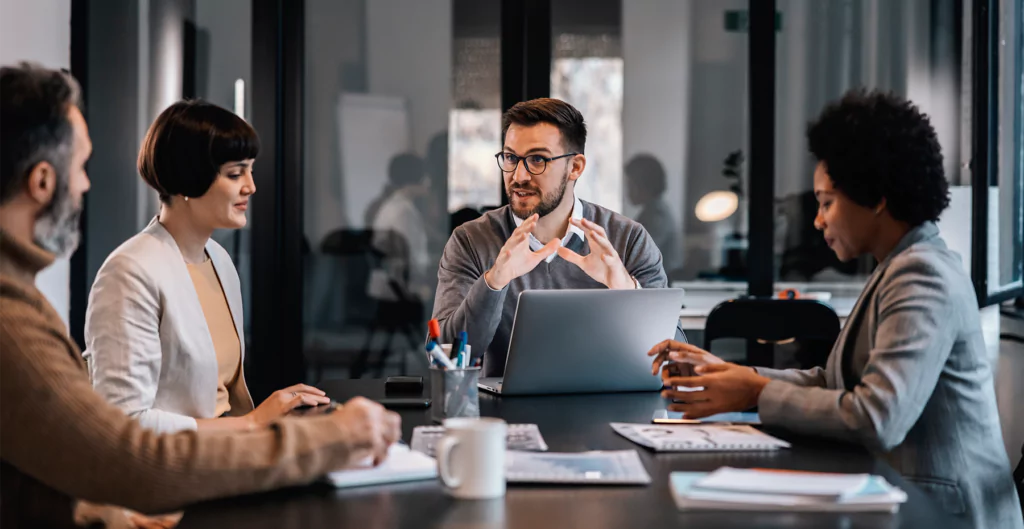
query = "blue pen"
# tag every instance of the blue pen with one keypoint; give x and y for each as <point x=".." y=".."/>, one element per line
<point x="461" y="359"/>
<point x="456" y="347"/>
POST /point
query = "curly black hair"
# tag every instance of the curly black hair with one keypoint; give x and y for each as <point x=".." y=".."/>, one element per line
<point x="878" y="145"/>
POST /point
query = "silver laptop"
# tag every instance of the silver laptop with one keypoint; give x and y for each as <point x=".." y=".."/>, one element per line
<point x="586" y="341"/>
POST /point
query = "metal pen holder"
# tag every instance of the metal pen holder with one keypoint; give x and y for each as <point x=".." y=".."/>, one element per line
<point x="454" y="393"/>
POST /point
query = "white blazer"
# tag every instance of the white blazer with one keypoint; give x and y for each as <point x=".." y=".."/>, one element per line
<point x="148" y="346"/>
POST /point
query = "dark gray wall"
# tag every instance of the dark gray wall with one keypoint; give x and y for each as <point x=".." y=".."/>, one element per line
<point x="113" y="111"/>
<point x="136" y="69"/>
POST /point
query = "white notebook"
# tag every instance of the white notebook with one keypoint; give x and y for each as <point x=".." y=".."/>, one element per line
<point x="402" y="464"/>
<point x="698" y="437"/>
<point x="824" y="485"/>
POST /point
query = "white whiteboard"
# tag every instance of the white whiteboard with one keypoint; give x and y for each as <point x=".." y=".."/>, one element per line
<point x="373" y="129"/>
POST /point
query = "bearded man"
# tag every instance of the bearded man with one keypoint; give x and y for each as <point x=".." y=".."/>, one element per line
<point x="545" y="238"/>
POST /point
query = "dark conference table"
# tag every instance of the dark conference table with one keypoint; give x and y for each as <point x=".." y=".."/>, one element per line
<point x="571" y="423"/>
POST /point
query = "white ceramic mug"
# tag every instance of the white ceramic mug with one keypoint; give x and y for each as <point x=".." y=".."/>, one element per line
<point x="471" y="458"/>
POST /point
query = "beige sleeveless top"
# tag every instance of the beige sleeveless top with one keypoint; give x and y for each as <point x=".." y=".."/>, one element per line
<point x="222" y="330"/>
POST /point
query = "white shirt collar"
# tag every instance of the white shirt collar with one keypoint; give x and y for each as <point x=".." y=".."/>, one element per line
<point x="577" y="213"/>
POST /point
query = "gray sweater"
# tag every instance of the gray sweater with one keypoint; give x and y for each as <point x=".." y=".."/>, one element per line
<point x="465" y="302"/>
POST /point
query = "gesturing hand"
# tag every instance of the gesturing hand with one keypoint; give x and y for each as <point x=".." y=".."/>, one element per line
<point x="726" y="387"/>
<point x="680" y="353"/>
<point x="516" y="258"/>
<point x="602" y="264"/>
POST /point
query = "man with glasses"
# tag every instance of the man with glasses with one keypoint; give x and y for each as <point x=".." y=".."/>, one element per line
<point x="545" y="238"/>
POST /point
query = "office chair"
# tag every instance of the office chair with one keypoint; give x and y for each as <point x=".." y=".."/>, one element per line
<point x="764" y="323"/>
<point x="399" y="312"/>
<point x="401" y="315"/>
<point x="340" y="305"/>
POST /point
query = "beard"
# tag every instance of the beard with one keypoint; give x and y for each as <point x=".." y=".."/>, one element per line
<point x="56" y="229"/>
<point x="548" y="202"/>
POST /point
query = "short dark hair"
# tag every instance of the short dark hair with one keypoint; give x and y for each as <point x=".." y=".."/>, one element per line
<point x="878" y="145"/>
<point x="554" y="111"/>
<point x="34" y="123"/>
<point x="186" y="145"/>
<point x="647" y="172"/>
<point x="406" y="169"/>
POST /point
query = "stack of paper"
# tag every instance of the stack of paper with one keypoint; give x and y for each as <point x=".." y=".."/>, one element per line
<point x="698" y="438"/>
<point x="783" y="490"/>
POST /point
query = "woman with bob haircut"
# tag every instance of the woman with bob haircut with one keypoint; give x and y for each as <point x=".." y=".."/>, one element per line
<point x="163" y="330"/>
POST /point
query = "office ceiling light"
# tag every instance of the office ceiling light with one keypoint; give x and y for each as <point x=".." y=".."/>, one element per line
<point x="716" y="206"/>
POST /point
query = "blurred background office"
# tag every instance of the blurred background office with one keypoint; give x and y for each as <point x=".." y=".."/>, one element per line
<point x="381" y="117"/>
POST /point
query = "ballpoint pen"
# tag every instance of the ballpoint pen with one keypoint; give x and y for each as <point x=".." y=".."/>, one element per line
<point x="459" y="350"/>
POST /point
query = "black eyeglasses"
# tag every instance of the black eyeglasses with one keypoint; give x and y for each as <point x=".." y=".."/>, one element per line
<point x="535" y="163"/>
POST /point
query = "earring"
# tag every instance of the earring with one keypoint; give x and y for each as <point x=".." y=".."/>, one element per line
<point x="186" y="199"/>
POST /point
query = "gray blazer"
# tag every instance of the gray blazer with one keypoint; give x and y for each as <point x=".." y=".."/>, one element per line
<point x="148" y="347"/>
<point x="909" y="378"/>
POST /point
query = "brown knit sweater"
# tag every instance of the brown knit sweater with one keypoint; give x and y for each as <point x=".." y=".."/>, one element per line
<point x="59" y="440"/>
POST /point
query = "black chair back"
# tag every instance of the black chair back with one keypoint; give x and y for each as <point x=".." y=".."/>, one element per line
<point x="462" y="216"/>
<point x="363" y="252"/>
<point x="764" y="323"/>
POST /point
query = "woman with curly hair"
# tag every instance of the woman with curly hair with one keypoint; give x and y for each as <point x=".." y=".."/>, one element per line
<point x="909" y="377"/>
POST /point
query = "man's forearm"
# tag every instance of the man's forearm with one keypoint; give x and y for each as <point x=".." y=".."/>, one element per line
<point x="84" y="447"/>
<point x="152" y="473"/>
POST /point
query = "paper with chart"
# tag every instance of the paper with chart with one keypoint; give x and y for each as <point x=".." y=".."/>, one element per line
<point x="520" y="437"/>
<point x="698" y="437"/>
<point x="621" y="467"/>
